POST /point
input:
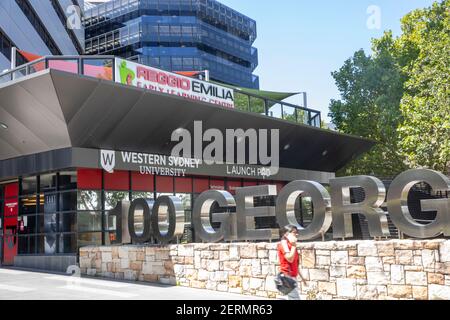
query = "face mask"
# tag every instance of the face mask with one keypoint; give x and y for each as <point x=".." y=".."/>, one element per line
<point x="291" y="237"/>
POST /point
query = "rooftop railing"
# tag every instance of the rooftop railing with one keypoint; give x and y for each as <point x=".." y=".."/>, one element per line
<point x="102" y="67"/>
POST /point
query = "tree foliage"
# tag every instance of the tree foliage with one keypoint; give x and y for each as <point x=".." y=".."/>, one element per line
<point x="371" y="88"/>
<point x="425" y="48"/>
<point x="399" y="96"/>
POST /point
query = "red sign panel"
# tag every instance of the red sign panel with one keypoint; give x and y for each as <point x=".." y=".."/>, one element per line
<point x="11" y="210"/>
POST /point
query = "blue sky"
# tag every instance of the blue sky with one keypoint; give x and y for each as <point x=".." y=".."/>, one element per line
<point x="301" y="42"/>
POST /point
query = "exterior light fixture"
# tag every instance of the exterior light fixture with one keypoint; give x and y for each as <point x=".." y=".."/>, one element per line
<point x="286" y="147"/>
<point x="3" y="126"/>
<point x="324" y="153"/>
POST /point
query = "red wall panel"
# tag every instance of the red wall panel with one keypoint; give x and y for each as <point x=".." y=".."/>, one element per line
<point x="200" y="185"/>
<point x="119" y="180"/>
<point x="250" y="183"/>
<point x="11" y="210"/>
<point x="216" y="184"/>
<point x="142" y="182"/>
<point x="12" y="190"/>
<point x="183" y="185"/>
<point x="164" y="184"/>
<point x="89" y="179"/>
<point x="232" y="185"/>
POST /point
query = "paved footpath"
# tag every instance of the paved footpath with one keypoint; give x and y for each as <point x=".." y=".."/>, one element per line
<point x="26" y="285"/>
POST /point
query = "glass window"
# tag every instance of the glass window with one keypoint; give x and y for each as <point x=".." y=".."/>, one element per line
<point x="89" y="221"/>
<point x="113" y="197"/>
<point x="142" y="195"/>
<point x="28" y="205"/>
<point x="188" y="62"/>
<point x="36" y="67"/>
<point x="175" y="30"/>
<point x="163" y="194"/>
<point x="20" y="73"/>
<point x="67" y="243"/>
<point x="275" y="110"/>
<point x="257" y="105"/>
<point x="89" y="239"/>
<point x="68" y="221"/>
<point x="50" y="243"/>
<point x="241" y="101"/>
<point x="64" y="65"/>
<point x="29" y="185"/>
<point x="67" y="201"/>
<point x="48" y="182"/>
<point x="27" y="244"/>
<point x="164" y="30"/>
<point x="185" y="199"/>
<point x="289" y="113"/>
<point x="47" y="223"/>
<point x="177" y="63"/>
<point x="67" y="180"/>
<point x="88" y="200"/>
<point x="187" y="31"/>
<point x="27" y="224"/>
<point x="98" y="68"/>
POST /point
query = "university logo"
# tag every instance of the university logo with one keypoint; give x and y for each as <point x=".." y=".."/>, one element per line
<point x="108" y="160"/>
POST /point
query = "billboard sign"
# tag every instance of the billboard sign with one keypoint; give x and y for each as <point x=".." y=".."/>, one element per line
<point x="142" y="76"/>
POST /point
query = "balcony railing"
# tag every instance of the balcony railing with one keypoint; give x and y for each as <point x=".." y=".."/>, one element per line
<point x="102" y="67"/>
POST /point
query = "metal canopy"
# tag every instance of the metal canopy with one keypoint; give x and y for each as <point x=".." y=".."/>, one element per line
<point x="54" y="109"/>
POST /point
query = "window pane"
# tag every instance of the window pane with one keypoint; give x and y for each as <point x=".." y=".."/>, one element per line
<point x="289" y="113"/>
<point x="67" y="222"/>
<point x="98" y="68"/>
<point x="64" y="65"/>
<point x="113" y="197"/>
<point x="28" y="205"/>
<point x="36" y="67"/>
<point x="68" y="201"/>
<point x="50" y="243"/>
<point x="89" y="200"/>
<point x="47" y="183"/>
<point x="24" y="246"/>
<point x="27" y="224"/>
<point x="241" y="101"/>
<point x="275" y="110"/>
<point x="89" y="221"/>
<point x="185" y="200"/>
<point x="142" y="195"/>
<point x="29" y="185"/>
<point x="257" y="105"/>
<point x="89" y="239"/>
<point x="67" y="243"/>
<point x="67" y="180"/>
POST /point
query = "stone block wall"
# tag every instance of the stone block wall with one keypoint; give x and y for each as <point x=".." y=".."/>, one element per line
<point x="395" y="269"/>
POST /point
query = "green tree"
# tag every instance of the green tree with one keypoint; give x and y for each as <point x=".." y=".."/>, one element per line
<point x="371" y="89"/>
<point x="424" y="48"/>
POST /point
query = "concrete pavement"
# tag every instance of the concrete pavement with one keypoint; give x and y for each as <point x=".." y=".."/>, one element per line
<point x="26" y="285"/>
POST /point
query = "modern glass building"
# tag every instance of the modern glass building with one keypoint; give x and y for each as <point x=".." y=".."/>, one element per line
<point x="177" y="35"/>
<point x="40" y="27"/>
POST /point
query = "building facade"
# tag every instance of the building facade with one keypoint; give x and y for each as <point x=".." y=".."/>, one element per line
<point x="177" y="35"/>
<point x="58" y="116"/>
<point x="40" y="27"/>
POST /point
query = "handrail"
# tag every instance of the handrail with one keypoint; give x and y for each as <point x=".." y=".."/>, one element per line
<point x="244" y="101"/>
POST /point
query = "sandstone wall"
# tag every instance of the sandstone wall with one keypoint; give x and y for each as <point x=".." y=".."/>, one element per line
<point x="398" y="269"/>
